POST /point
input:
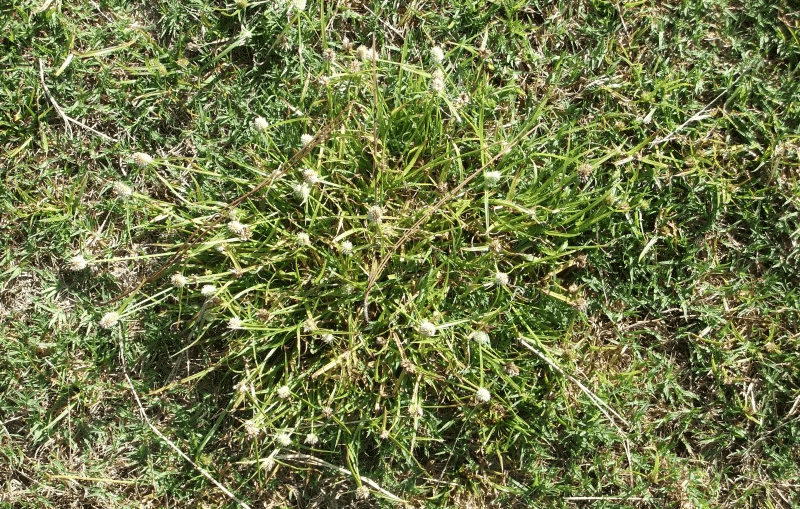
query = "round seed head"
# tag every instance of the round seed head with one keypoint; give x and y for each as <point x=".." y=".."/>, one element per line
<point x="437" y="85"/>
<point x="427" y="329"/>
<point x="77" y="263"/>
<point x="109" y="320"/>
<point x="310" y="176"/>
<point x="480" y="337"/>
<point x="178" y="280"/>
<point x="512" y="369"/>
<point x="260" y="123"/>
<point x="364" y="53"/>
<point x="141" y="159"/>
<point x="501" y="279"/>
<point x="251" y="428"/>
<point x="122" y="190"/>
<point x="482" y="395"/>
<point x="301" y="191"/>
<point x="347" y="44"/>
<point x="310" y="325"/>
<point x="492" y="178"/>
<point x="437" y="54"/>
<point x="375" y="214"/>
<point x="236" y="227"/>
<point x="362" y="493"/>
<point x="584" y="172"/>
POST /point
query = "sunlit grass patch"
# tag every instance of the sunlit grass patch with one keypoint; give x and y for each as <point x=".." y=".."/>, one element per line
<point x="466" y="254"/>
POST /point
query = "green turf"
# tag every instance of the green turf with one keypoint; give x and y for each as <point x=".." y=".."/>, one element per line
<point x="605" y="316"/>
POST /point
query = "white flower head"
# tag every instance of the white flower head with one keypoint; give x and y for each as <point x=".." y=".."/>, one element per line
<point x="122" y="190"/>
<point x="437" y="54"/>
<point x="312" y="439"/>
<point x="584" y="172"/>
<point x="375" y="214"/>
<point x="415" y="410"/>
<point x="310" y="176"/>
<point x="284" y="392"/>
<point x="251" y="428"/>
<point x="483" y="395"/>
<point x="364" y="53"/>
<point x="141" y="159"/>
<point x="306" y="139"/>
<point x="492" y="178"/>
<point x="501" y="279"/>
<point x="354" y="66"/>
<point x="301" y="191"/>
<point x="109" y="320"/>
<point x="284" y="439"/>
<point x="346" y="247"/>
<point x="347" y="44"/>
<point x="303" y="239"/>
<point x="511" y="369"/>
<point x="480" y="337"/>
<point x="427" y="329"/>
<point x="178" y="280"/>
<point x="208" y="291"/>
<point x="362" y="493"/>
<point x="437" y="84"/>
<point x="235" y="323"/>
<point x="260" y="124"/>
<point x="328" y="338"/>
<point x="77" y="263"/>
<point x="310" y="325"/>
<point x="299" y="4"/>
<point x="236" y="227"/>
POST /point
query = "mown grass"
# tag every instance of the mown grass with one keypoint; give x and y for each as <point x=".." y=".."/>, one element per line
<point x="642" y="353"/>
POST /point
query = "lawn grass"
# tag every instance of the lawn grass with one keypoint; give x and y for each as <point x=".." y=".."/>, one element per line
<point x="575" y="225"/>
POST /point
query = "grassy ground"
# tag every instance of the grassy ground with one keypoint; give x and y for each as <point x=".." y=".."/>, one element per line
<point x="588" y="213"/>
